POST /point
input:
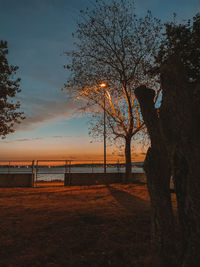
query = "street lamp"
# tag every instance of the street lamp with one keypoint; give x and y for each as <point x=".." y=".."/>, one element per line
<point x="103" y="85"/>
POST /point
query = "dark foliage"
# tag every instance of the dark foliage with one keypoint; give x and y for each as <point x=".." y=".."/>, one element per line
<point x="8" y="89"/>
<point x="183" y="40"/>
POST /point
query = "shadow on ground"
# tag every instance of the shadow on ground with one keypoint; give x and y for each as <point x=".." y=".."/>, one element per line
<point x="127" y="200"/>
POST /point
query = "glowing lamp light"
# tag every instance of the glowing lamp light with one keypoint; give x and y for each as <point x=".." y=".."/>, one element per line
<point x="102" y="84"/>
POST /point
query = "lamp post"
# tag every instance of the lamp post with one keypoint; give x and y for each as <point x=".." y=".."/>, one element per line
<point x="103" y="85"/>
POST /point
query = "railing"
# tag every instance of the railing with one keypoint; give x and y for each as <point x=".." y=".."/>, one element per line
<point x="55" y="170"/>
<point x="17" y="166"/>
<point x="98" y="167"/>
<point x="51" y="170"/>
<point x="16" y="173"/>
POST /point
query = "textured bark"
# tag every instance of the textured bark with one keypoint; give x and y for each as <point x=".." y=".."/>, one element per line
<point x="183" y="132"/>
<point x="128" y="159"/>
<point x="180" y="173"/>
<point x="175" y="144"/>
<point x="157" y="168"/>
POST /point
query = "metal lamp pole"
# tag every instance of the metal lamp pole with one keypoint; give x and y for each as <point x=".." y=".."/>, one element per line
<point x="103" y="85"/>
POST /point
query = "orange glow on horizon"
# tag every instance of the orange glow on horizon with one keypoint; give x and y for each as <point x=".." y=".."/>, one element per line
<point x="60" y="159"/>
<point x="78" y="150"/>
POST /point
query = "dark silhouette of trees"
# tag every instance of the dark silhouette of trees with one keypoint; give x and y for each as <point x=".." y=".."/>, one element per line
<point x="174" y="130"/>
<point x="8" y="89"/>
<point x="115" y="46"/>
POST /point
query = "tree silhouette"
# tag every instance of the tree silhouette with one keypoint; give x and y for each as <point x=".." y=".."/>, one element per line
<point x="8" y="89"/>
<point x="175" y="144"/>
<point x="116" y="47"/>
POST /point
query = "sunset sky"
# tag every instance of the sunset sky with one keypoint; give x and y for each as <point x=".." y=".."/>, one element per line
<point x="38" y="32"/>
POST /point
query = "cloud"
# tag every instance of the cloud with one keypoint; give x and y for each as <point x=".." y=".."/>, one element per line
<point x="41" y="111"/>
<point x="40" y="138"/>
<point x="66" y="136"/>
<point x="24" y="140"/>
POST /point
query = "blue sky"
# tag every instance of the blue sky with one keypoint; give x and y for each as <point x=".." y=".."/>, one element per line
<point x="38" y="32"/>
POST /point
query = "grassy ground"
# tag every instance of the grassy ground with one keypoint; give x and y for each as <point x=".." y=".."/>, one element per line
<point x="76" y="226"/>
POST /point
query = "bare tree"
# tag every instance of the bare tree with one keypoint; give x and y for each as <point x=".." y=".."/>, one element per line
<point x="115" y="46"/>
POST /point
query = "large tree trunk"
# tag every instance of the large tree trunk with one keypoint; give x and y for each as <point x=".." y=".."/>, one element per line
<point x="128" y="173"/>
<point x="183" y="130"/>
<point x="158" y="180"/>
<point x="192" y="210"/>
<point x="180" y="175"/>
<point x="175" y="141"/>
<point x="158" y="172"/>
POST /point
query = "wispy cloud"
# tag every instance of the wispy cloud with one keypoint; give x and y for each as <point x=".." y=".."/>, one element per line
<point x="66" y="136"/>
<point x="39" y="138"/>
<point x="39" y="111"/>
<point x="23" y="140"/>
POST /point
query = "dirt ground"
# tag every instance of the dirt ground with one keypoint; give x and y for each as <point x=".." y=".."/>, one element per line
<point x="75" y="226"/>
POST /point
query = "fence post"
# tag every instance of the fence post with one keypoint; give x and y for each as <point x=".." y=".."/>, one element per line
<point x="9" y="167"/>
<point x="65" y="166"/>
<point x="65" y="176"/>
<point x="69" y="172"/>
<point x="118" y="166"/>
<point x="33" y="173"/>
<point x="92" y="167"/>
<point x="36" y="172"/>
